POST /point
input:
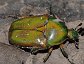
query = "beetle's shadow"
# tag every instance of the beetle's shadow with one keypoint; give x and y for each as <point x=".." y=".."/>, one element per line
<point x="41" y="50"/>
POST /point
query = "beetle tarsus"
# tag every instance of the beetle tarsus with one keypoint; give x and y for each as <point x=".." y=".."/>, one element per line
<point x="70" y="61"/>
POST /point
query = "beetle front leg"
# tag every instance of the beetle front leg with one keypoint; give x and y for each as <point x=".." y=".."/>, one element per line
<point x="47" y="56"/>
<point x="76" y="45"/>
<point x="64" y="53"/>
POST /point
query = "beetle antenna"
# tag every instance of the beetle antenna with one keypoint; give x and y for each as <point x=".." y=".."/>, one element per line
<point x="78" y="25"/>
<point x="50" y="10"/>
<point x="52" y="14"/>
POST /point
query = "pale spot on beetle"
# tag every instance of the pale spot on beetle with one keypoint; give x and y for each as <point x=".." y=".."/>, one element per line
<point x="40" y="42"/>
<point x="22" y="47"/>
<point x="57" y="20"/>
<point x="28" y="24"/>
<point x="52" y="34"/>
<point x="27" y="34"/>
<point x="41" y="18"/>
<point x="61" y="30"/>
<point x="16" y="36"/>
<point x="27" y="47"/>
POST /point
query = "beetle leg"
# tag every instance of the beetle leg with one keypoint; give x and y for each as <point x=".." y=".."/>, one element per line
<point x="64" y="53"/>
<point x="47" y="56"/>
<point x="12" y="16"/>
<point x="76" y="45"/>
<point x="34" y="50"/>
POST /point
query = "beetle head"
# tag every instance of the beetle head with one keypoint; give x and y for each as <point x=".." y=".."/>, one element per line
<point x="73" y="34"/>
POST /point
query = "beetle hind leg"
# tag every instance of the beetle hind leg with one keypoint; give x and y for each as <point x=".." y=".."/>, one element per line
<point x="64" y="53"/>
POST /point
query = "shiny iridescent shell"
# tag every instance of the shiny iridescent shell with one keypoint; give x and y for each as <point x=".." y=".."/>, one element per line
<point x="37" y="31"/>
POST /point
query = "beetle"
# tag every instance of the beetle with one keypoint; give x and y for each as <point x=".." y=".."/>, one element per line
<point x="42" y="32"/>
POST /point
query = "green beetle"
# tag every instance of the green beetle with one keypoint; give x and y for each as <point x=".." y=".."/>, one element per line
<point x="40" y="33"/>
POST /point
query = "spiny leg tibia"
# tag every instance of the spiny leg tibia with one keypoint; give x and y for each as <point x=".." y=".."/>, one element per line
<point x="64" y="53"/>
<point x="47" y="56"/>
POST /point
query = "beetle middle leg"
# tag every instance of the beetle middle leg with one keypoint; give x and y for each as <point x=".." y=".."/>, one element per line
<point x="64" y="53"/>
<point x="76" y="45"/>
<point x="34" y="50"/>
<point x="47" y="56"/>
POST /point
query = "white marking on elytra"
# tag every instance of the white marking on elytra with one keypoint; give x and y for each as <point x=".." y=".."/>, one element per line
<point x="41" y="18"/>
<point x="40" y="41"/>
<point x="16" y="36"/>
<point x="28" y="24"/>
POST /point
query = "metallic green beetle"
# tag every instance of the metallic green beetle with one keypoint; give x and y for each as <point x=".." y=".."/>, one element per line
<point x="40" y="33"/>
